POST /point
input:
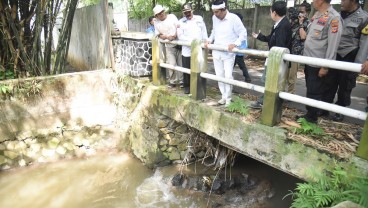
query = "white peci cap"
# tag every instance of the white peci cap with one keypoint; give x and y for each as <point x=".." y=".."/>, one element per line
<point x="157" y="9"/>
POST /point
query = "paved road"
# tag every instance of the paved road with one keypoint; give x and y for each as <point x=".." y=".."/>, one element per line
<point x="358" y="95"/>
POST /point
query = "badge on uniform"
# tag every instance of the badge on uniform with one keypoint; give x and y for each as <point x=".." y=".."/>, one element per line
<point x="334" y="26"/>
<point x="322" y="21"/>
<point x="365" y="30"/>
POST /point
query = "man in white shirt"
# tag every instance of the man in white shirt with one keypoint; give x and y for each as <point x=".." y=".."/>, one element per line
<point x="165" y="28"/>
<point x="228" y="30"/>
<point x="191" y="27"/>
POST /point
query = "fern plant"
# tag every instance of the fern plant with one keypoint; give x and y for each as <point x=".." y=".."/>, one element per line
<point x="238" y="105"/>
<point x="309" y="128"/>
<point x="329" y="189"/>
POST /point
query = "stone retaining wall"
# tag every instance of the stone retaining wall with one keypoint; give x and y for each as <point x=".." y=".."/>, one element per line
<point x="42" y="146"/>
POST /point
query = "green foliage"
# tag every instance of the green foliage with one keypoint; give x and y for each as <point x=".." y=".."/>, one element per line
<point x="6" y="89"/>
<point x="238" y="105"/>
<point x="329" y="189"/>
<point x="89" y="2"/>
<point x="7" y="75"/>
<point x="21" y="89"/>
<point x="309" y="128"/>
<point x="139" y="9"/>
<point x="29" y="88"/>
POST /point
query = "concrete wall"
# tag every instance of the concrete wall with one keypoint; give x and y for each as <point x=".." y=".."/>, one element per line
<point x="89" y="44"/>
<point x="81" y="98"/>
<point x="264" y="23"/>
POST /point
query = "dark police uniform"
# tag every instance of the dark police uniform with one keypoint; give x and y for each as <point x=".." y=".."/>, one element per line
<point x="352" y="48"/>
<point x="324" y="33"/>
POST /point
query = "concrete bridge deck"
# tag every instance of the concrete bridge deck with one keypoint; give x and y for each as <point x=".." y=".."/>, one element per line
<point x="255" y="69"/>
<point x="273" y="146"/>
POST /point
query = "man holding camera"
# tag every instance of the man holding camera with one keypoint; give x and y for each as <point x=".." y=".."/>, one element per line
<point x="299" y="24"/>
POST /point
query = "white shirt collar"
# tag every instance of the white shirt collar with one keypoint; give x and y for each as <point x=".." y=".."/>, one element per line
<point x="275" y="25"/>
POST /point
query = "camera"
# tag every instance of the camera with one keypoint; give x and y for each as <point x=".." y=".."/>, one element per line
<point x="293" y="14"/>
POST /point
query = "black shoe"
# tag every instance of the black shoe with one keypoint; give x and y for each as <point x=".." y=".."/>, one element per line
<point x="358" y="135"/>
<point x="248" y="80"/>
<point x="307" y="117"/>
<point x="256" y="105"/>
<point x="181" y="85"/>
<point x="323" y="113"/>
<point x="338" y="117"/>
<point x="171" y="85"/>
<point x="186" y="90"/>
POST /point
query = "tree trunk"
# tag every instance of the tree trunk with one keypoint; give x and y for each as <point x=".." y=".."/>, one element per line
<point x="64" y="39"/>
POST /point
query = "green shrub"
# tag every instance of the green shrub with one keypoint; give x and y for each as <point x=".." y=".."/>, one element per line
<point x="238" y="105"/>
<point x="309" y="128"/>
<point x="329" y="189"/>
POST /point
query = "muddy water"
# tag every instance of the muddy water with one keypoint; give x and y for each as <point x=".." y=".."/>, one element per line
<point x="118" y="181"/>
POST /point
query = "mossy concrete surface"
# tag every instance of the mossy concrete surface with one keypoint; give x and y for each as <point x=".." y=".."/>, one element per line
<point x="269" y="145"/>
<point x="84" y="98"/>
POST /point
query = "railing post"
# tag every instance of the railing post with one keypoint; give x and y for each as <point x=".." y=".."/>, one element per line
<point x="277" y="70"/>
<point x="158" y="73"/>
<point x="198" y="64"/>
<point x="363" y="144"/>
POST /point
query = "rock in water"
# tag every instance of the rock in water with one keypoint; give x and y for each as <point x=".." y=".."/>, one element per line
<point x="177" y="180"/>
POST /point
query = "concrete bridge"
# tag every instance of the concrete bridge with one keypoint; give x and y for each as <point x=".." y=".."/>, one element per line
<point x="89" y="98"/>
<point x="268" y="145"/>
<point x="260" y="137"/>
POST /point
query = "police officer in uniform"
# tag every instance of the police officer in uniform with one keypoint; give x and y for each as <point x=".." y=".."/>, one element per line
<point x="351" y="49"/>
<point x="364" y="69"/>
<point x="324" y="33"/>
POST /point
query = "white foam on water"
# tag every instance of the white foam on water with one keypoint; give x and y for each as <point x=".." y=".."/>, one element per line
<point x="156" y="192"/>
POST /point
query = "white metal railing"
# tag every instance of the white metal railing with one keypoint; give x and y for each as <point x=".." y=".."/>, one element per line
<point x="342" y="65"/>
<point x="324" y="106"/>
<point x="354" y="67"/>
<point x="216" y="78"/>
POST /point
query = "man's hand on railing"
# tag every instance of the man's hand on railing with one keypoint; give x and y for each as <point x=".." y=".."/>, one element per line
<point x="167" y="37"/>
<point x="364" y="68"/>
<point x="231" y="47"/>
<point x="171" y="37"/>
<point x="206" y="43"/>
<point x="322" y="72"/>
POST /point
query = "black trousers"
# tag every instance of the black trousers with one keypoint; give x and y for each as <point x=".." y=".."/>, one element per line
<point x="186" y="77"/>
<point x="315" y="87"/>
<point x="240" y="61"/>
<point x="340" y="81"/>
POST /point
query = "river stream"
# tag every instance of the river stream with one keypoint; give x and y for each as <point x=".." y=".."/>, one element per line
<point x="119" y="180"/>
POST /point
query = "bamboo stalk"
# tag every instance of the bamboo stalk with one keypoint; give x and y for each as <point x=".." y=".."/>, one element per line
<point x="21" y="48"/>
